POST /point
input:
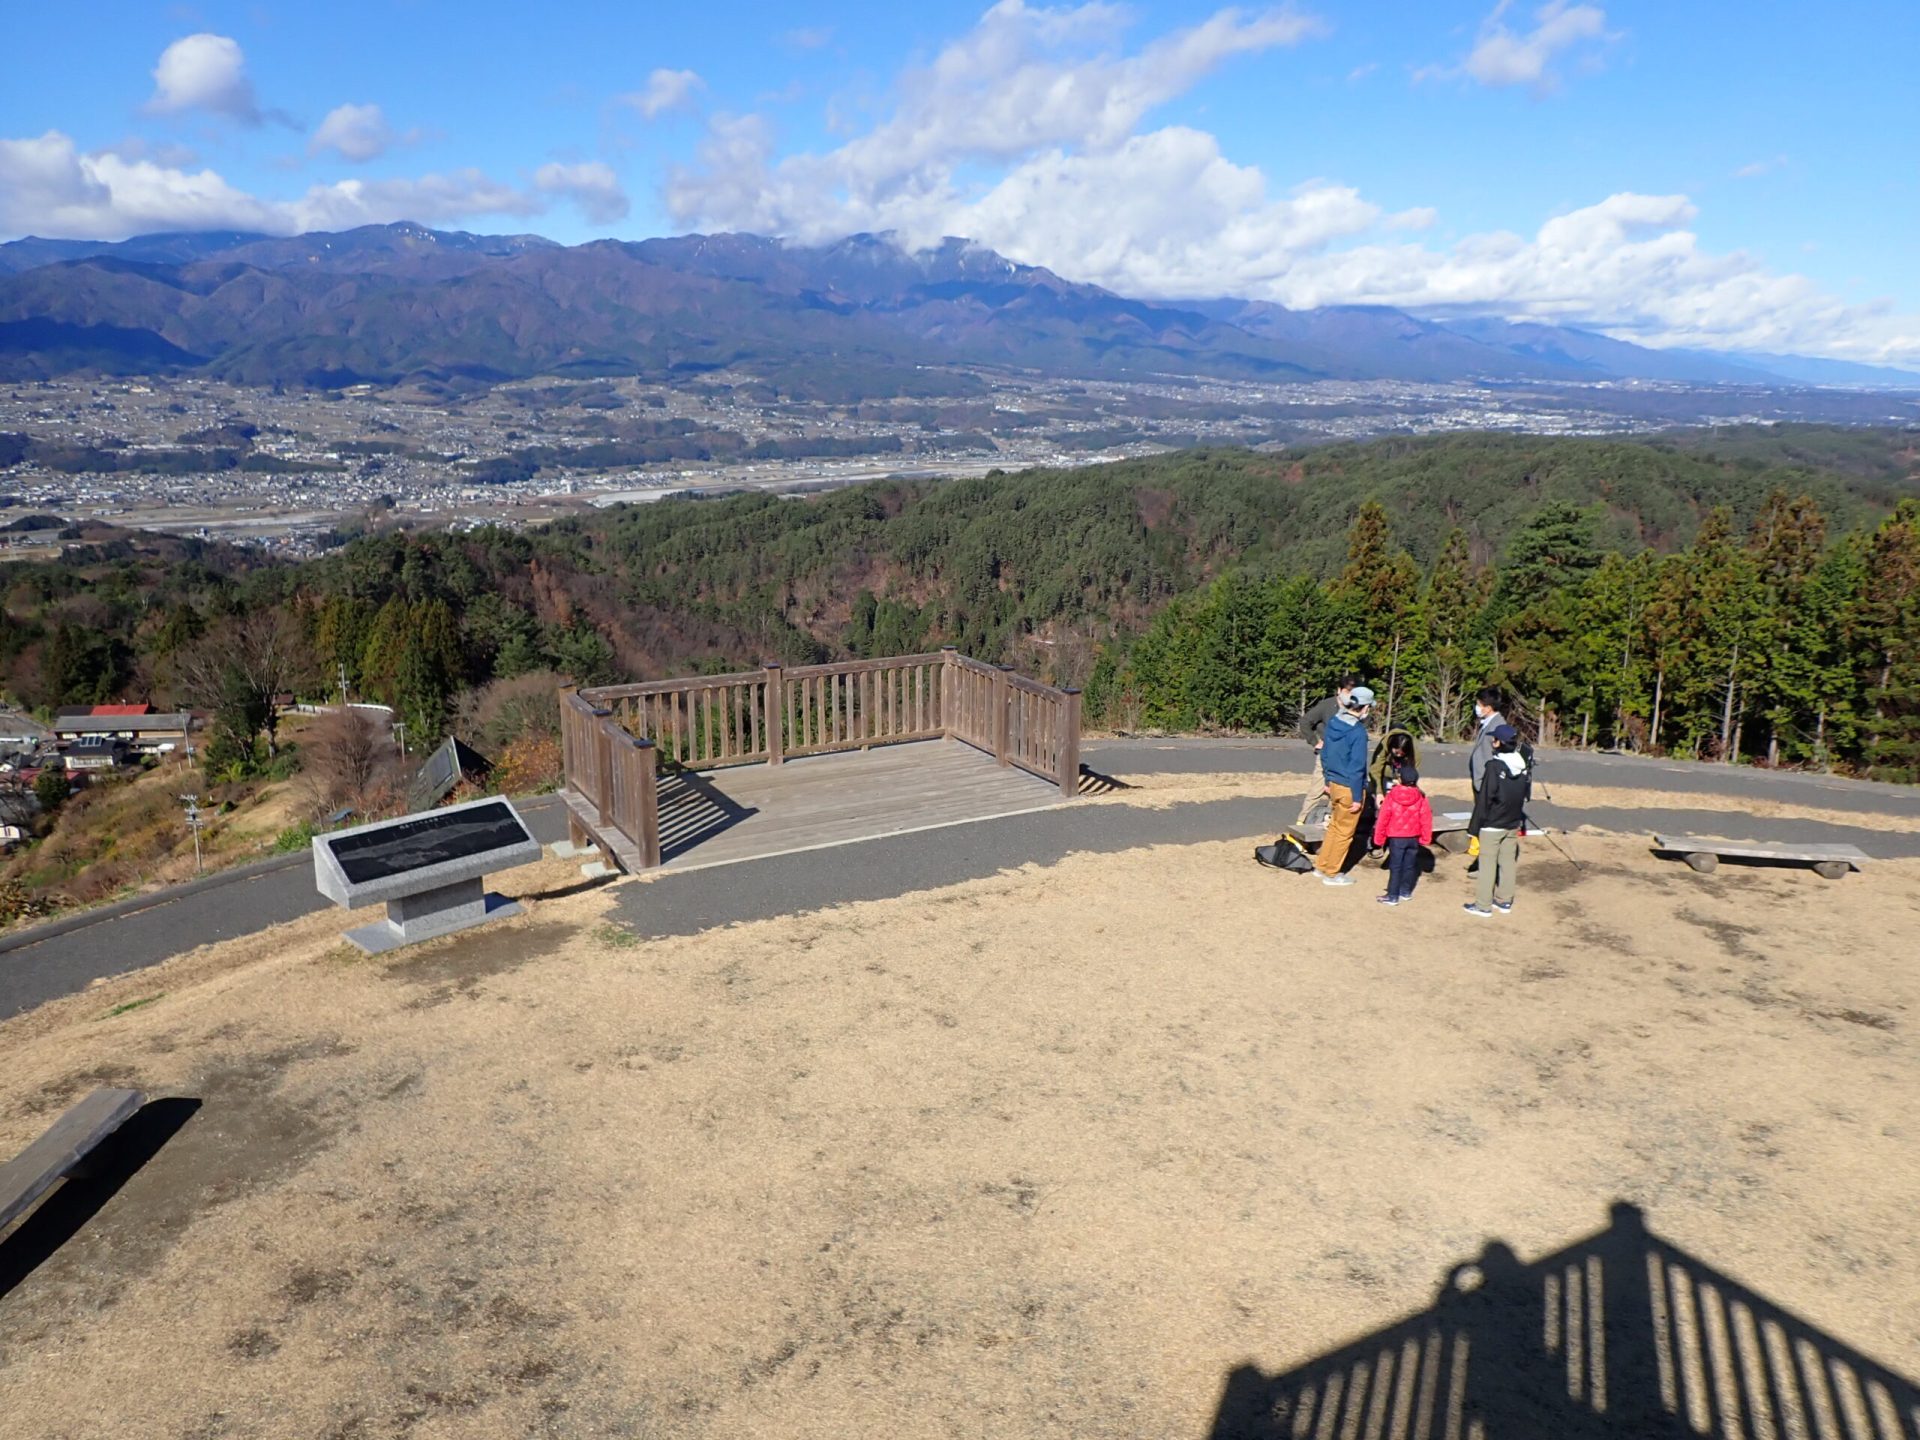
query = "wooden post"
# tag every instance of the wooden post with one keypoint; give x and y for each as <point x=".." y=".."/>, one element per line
<point x="567" y="721"/>
<point x="1070" y="745"/>
<point x="944" y="696"/>
<point x="1002" y="711"/>
<point x="649" y="837"/>
<point x="776" y="714"/>
<point x="603" y="754"/>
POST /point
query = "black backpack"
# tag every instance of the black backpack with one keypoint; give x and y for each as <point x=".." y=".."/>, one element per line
<point x="1286" y="853"/>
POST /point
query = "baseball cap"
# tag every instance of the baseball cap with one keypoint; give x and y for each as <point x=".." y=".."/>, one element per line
<point x="1361" y="696"/>
<point x="1505" y="734"/>
<point x="1409" y="775"/>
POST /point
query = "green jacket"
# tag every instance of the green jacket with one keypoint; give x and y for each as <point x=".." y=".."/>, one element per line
<point x="1377" y="767"/>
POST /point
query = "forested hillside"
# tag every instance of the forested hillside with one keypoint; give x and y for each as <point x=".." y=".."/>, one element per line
<point x="1735" y="601"/>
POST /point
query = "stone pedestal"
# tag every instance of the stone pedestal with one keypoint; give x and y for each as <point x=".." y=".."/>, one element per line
<point x="428" y="913"/>
<point x="427" y="869"/>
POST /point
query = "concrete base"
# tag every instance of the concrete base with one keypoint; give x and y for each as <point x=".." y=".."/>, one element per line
<point x="567" y="850"/>
<point x="432" y="913"/>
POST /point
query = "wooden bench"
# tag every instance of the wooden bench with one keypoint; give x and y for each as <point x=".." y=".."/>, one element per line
<point x="1449" y="830"/>
<point x="1703" y="853"/>
<point x="63" y="1149"/>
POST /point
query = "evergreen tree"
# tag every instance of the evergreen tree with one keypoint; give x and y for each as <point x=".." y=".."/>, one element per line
<point x="1455" y="597"/>
<point x="1611" y="645"/>
<point x="1788" y="540"/>
<point x="429" y="673"/>
<point x="1887" y="615"/>
<point x="183" y="626"/>
<point x="1380" y="592"/>
<point x="385" y="651"/>
<point x="1553" y="551"/>
<point x="1706" y="621"/>
<point x="340" y="637"/>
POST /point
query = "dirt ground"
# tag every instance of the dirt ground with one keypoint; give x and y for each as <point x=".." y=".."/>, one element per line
<point x="1159" y="790"/>
<point x="1045" y="1154"/>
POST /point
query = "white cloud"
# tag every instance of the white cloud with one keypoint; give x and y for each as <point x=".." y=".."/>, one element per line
<point x="430" y="199"/>
<point x="204" y="72"/>
<point x="1628" y="265"/>
<point x="1503" y="57"/>
<point x="1023" y="81"/>
<point x="48" y="186"/>
<point x="808" y="37"/>
<point x="591" y="185"/>
<point x="1163" y="214"/>
<point x="666" y="92"/>
<point x="356" y="133"/>
<point x="1024" y="135"/>
<point x="1760" y="167"/>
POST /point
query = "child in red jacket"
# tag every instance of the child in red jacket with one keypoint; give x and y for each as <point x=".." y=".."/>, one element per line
<point x="1405" y="824"/>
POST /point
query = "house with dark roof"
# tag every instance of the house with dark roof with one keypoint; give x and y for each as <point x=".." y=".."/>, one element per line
<point x="144" y="734"/>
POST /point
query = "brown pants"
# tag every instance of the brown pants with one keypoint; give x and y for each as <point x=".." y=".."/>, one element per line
<point x="1342" y="820"/>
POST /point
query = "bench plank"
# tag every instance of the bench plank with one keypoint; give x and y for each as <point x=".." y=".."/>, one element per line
<point x="1753" y="850"/>
<point x="35" y="1170"/>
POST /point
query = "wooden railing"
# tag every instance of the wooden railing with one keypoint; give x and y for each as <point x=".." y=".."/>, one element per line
<point x="614" y="772"/>
<point x="614" y="736"/>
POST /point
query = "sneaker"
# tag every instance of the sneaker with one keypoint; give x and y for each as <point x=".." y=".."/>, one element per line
<point x="1336" y="880"/>
<point x="1504" y="909"/>
<point x="1472" y="909"/>
<point x="1389" y="899"/>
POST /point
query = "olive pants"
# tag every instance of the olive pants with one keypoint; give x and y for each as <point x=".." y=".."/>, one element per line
<point x="1499" y="864"/>
<point x="1316" y="782"/>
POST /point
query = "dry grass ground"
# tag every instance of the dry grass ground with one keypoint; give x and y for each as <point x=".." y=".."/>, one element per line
<point x="1158" y="790"/>
<point x="1044" y="1154"/>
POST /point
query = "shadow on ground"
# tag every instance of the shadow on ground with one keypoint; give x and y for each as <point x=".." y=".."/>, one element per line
<point x="80" y="1197"/>
<point x="693" y="809"/>
<point x="1617" y="1337"/>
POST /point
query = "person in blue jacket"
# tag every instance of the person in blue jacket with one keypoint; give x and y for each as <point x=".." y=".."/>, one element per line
<point x="1343" y="755"/>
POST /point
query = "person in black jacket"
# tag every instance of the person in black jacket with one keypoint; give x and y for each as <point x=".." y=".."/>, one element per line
<point x="1499" y="809"/>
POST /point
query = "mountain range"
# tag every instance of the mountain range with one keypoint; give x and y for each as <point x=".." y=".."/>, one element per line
<point x="388" y="302"/>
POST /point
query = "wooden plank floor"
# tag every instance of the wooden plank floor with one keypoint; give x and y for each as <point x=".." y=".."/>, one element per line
<point x="751" y="812"/>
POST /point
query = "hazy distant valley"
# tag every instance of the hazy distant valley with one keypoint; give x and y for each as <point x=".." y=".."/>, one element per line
<point x="291" y="391"/>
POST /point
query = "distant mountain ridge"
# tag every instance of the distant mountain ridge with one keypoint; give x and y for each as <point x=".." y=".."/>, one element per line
<point x="386" y="302"/>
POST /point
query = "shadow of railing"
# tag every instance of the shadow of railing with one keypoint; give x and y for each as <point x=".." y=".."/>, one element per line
<point x="1619" y="1335"/>
<point x="87" y="1188"/>
<point x="692" y="810"/>
<point x="1092" y="782"/>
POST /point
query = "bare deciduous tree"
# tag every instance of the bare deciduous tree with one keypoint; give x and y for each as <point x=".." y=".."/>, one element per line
<point x="239" y="668"/>
<point x="347" y="754"/>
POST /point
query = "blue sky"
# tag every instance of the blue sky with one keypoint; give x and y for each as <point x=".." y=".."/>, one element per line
<point x="1735" y="175"/>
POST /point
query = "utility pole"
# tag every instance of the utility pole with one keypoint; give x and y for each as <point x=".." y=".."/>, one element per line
<point x="194" y="822"/>
<point x="400" y="734"/>
<point x="343" y="684"/>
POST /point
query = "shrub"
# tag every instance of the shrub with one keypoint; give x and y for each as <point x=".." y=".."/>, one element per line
<point x="52" y="789"/>
<point x="528" y="765"/>
<point x="294" y="837"/>
<point x="495" y="715"/>
<point x="18" y="902"/>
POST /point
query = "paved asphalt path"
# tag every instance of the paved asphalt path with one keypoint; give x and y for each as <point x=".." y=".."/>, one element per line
<point x="64" y="957"/>
<point x="67" y="955"/>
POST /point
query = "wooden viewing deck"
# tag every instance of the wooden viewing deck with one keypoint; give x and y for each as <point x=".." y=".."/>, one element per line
<point x="715" y="769"/>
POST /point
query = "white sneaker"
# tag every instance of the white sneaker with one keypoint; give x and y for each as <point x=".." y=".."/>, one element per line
<point x="1336" y="879"/>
